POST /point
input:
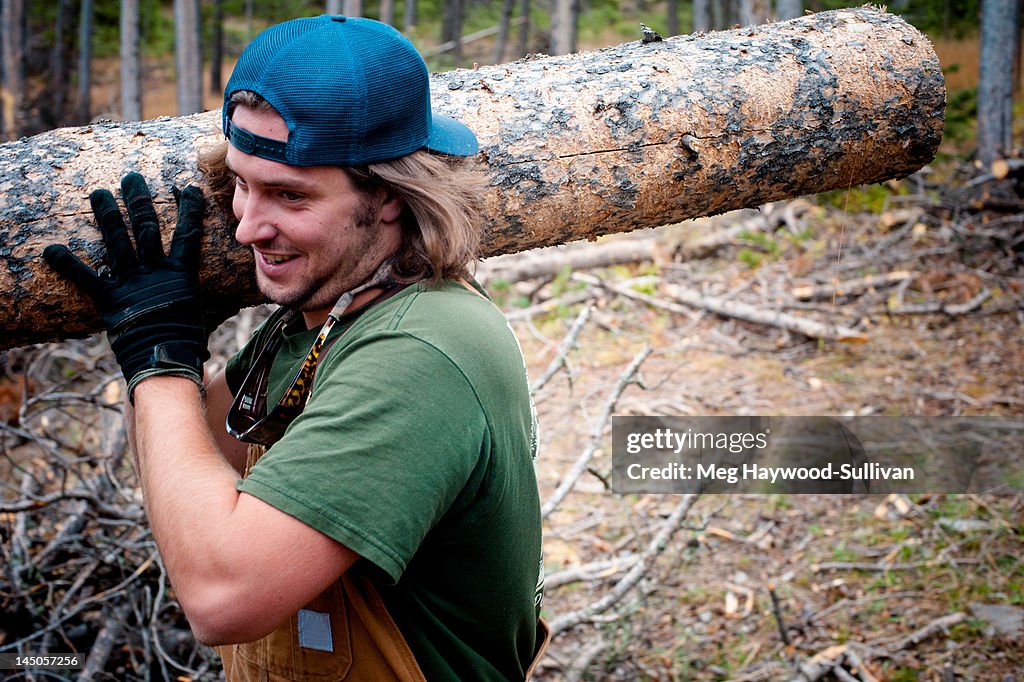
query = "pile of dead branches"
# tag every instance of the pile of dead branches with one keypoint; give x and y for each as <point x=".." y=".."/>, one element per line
<point x="80" y="569"/>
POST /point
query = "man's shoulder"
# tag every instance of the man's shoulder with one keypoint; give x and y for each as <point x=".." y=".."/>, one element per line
<point x="449" y="307"/>
<point x="447" y="323"/>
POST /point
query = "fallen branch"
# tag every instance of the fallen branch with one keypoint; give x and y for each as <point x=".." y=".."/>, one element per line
<point x="777" y="612"/>
<point x="745" y="311"/>
<point x="586" y="656"/>
<point x="595" y="570"/>
<point x="628" y="292"/>
<point x="951" y="309"/>
<point x="850" y="287"/>
<point x="468" y="38"/>
<point x="107" y="637"/>
<point x="550" y="305"/>
<point x="821" y="664"/>
<point x="933" y="628"/>
<point x="661" y="539"/>
<point x="554" y="260"/>
<point x="561" y="358"/>
<point x="597" y="435"/>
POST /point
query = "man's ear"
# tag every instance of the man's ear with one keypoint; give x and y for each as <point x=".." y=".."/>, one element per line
<point x="391" y="208"/>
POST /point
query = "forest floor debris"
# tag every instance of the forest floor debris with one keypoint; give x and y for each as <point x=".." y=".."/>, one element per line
<point x="643" y="587"/>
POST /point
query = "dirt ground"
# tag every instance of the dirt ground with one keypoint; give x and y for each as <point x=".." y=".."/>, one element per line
<point x="854" y="573"/>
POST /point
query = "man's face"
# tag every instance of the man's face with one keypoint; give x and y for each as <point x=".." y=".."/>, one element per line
<point x="314" y="236"/>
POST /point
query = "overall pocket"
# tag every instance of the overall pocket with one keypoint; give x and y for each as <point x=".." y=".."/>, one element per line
<point x="314" y="644"/>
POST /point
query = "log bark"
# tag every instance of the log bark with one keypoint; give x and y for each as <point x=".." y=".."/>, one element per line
<point x="627" y="137"/>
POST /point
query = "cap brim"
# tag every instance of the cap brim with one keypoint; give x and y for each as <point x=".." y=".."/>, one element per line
<point x="448" y="136"/>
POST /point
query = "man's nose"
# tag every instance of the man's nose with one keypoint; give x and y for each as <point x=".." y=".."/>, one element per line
<point x="254" y="224"/>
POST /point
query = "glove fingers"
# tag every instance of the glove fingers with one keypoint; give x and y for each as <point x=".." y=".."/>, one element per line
<point x="188" y="234"/>
<point x="142" y="214"/>
<point x="71" y="267"/>
<point x="120" y="254"/>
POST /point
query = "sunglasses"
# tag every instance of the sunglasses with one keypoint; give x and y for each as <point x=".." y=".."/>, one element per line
<point x="249" y="420"/>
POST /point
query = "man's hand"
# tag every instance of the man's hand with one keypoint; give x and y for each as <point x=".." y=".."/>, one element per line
<point x="148" y="300"/>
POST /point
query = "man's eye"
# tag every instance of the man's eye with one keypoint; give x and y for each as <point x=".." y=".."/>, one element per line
<point x="291" y="196"/>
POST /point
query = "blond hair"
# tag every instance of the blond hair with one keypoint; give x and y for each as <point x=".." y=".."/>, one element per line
<point x="443" y="198"/>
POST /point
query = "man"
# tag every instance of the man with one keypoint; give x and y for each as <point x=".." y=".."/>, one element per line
<point x="387" y="525"/>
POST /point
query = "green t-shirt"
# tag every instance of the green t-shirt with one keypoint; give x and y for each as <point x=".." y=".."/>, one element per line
<point x="416" y="451"/>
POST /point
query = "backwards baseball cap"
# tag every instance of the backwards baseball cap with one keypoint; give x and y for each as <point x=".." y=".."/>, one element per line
<point x="351" y="90"/>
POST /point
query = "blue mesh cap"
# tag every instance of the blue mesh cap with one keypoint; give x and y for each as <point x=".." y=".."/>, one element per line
<point x="351" y="90"/>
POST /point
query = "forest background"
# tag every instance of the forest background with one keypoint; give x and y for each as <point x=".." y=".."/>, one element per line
<point x="751" y="587"/>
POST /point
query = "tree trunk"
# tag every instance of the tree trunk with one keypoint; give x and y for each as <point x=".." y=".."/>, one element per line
<point x="701" y="16"/>
<point x="58" y="67"/>
<point x="451" y="27"/>
<point x="217" y="51"/>
<point x="387" y="12"/>
<point x="334" y="6"/>
<point x="672" y="18"/>
<point x="789" y="9"/>
<point x="574" y="147"/>
<point x="563" y="21"/>
<point x="754" y="12"/>
<point x="12" y="98"/>
<point x="248" y="21"/>
<point x="131" y="77"/>
<point x="719" y="13"/>
<point x="85" y="61"/>
<point x="523" y="43"/>
<point x="504" y="24"/>
<point x="409" y="16"/>
<point x="189" y="56"/>
<point x="995" y="81"/>
<point x="352" y="8"/>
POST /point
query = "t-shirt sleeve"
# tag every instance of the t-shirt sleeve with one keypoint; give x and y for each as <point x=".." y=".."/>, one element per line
<point x="392" y="434"/>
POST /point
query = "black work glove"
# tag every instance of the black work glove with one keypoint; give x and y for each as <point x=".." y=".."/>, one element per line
<point x="148" y="301"/>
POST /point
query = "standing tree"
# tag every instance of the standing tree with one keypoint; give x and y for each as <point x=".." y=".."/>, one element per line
<point x="12" y="99"/>
<point x="504" y="24"/>
<point x="217" y="51"/>
<point x="334" y="6"/>
<point x="720" y="12"/>
<point x="85" y="62"/>
<point x="387" y="12"/>
<point x="409" y="16"/>
<point x="131" y="71"/>
<point x="995" y="79"/>
<point x="753" y="12"/>
<point x="788" y="9"/>
<point x="248" y="21"/>
<point x="189" y="58"/>
<point x="672" y="23"/>
<point x="524" y="27"/>
<point x="701" y="16"/>
<point x="58" y="65"/>
<point x="353" y="8"/>
<point x="563" y="20"/>
<point x="451" y="27"/>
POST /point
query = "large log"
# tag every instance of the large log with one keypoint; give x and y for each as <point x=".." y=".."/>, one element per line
<point x="576" y="146"/>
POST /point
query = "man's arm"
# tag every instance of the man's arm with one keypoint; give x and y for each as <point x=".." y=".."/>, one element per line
<point x="238" y="566"/>
<point x="218" y="402"/>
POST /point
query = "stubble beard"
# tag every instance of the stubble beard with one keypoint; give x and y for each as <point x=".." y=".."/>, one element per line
<point x="362" y="259"/>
